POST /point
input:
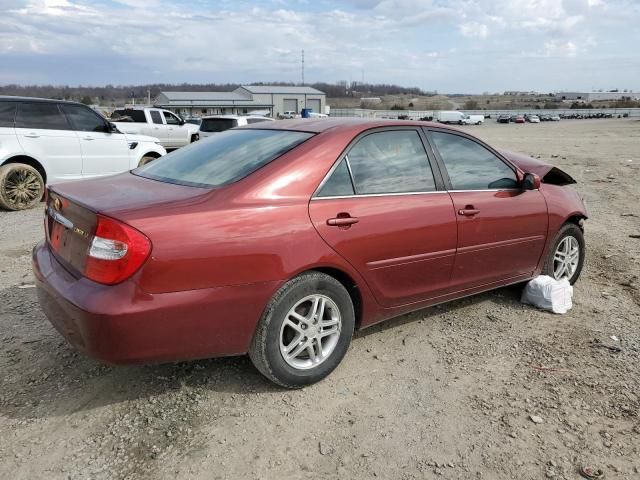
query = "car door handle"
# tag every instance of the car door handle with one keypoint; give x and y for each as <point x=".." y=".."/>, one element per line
<point x="468" y="212"/>
<point x="32" y="135"/>
<point x="88" y="138"/>
<point x="342" y="221"/>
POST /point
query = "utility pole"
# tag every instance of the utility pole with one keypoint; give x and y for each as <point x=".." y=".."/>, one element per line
<point x="303" y="68"/>
<point x="149" y="97"/>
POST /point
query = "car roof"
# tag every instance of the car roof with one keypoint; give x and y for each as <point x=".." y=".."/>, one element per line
<point x="319" y="125"/>
<point x="11" y="98"/>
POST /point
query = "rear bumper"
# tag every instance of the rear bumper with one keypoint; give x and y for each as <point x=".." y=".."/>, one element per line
<point x="123" y="324"/>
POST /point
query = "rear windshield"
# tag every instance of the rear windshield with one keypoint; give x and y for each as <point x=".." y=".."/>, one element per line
<point x="217" y="124"/>
<point x="222" y="159"/>
<point x="129" y="115"/>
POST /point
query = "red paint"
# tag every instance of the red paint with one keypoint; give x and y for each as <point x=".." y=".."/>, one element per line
<point x="218" y="256"/>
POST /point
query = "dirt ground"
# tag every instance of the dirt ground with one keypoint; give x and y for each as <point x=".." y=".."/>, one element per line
<point x="446" y="392"/>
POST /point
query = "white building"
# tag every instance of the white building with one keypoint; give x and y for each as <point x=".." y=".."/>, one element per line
<point x="243" y="100"/>
<point x="595" y="96"/>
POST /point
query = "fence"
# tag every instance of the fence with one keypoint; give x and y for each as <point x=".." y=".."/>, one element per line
<point x="417" y="114"/>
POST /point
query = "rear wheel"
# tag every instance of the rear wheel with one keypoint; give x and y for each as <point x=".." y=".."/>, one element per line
<point x="566" y="257"/>
<point x="21" y="186"/>
<point x="304" y="332"/>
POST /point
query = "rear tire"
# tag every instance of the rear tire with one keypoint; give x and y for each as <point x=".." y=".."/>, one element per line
<point x="568" y="238"/>
<point x="304" y="332"/>
<point x="21" y="186"/>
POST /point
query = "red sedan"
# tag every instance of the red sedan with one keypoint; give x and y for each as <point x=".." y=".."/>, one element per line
<point x="280" y="240"/>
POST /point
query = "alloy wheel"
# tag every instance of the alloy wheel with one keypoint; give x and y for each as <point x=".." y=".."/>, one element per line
<point x="566" y="258"/>
<point x="22" y="187"/>
<point x="310" y="332"/>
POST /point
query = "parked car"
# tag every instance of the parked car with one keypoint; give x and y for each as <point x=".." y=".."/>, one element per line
<point x="289" y="115"/>
<point x="503" y="119"/>
<point x="533" y="119"/>
<point x="193" y="120"/>
<point x="472" y="120"/>
<point x="169" y="128"/>
<point x="48" y="141"/>
<point x="280" y="241"/>
<point x="448" y="117"/>
<point x="519" y="119"/>
<point x="219" y="123"/>
<point x="554" y="118"/>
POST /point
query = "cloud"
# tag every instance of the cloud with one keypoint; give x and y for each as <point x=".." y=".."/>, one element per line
<point x="434" y="44"/>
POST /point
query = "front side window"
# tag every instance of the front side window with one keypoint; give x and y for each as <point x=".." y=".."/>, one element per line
<point x="171" y="119"/>
<point x="223" y="158"/>
<point x="42" y="115"/>
<point x="84" y="119"/>
<point x="7" y="113"/>
<point x="391" y="162"/>
<point x="339" y="183"/>
<point x="471" y="166"/>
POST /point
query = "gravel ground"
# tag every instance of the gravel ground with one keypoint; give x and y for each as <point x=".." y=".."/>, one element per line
<point x="484" y="387"/>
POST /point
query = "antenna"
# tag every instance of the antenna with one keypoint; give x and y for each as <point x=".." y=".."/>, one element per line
<point x="303" y="68"/>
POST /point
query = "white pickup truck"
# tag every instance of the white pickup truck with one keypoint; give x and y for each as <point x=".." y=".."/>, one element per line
<point x="170" y="130"/>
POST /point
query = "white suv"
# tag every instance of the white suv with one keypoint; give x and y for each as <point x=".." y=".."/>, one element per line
<point x="219" y="123"/>
<point x="48" y="141"/>
<point x="166" y="126"/>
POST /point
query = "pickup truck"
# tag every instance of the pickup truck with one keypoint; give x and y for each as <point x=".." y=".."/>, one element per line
<point x="170" y="130"/>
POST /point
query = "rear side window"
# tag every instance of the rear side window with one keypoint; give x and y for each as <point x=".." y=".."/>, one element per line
<point x="391" y="162"/>
<point x="217" y="124"/>
<point x="84" y="119"/>
<point x="339" y="183"/>
<point x="471" y="166"/>
<point x="223" y="158"/>
<point x="155" y="117"/>
<point x="128" y="115"/>
<point x="7" y="113"/>
<point x="41" y="115"/>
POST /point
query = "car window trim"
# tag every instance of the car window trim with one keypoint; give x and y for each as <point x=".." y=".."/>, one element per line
<point x="437" y="178"/>
<point x="445" y="172"/>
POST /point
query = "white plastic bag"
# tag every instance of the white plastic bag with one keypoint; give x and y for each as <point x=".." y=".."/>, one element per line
<point x="548" y="293"/>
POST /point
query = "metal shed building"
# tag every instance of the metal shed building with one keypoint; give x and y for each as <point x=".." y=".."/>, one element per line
<point x="246" y="99"/>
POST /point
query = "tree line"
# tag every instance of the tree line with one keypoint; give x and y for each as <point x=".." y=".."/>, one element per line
<point x="120" y="94"/>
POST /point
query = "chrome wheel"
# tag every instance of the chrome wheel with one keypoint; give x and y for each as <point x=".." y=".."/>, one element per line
<point x="566" y="258"/>
<point x="310" y="332"/>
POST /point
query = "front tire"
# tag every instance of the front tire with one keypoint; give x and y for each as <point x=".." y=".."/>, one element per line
<point x="566" y="257"/>
<point x="21" y="186"/>
<point x="304" y="332"/>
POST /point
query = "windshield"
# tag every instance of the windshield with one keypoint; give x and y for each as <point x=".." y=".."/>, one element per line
<point x="222" y="159"/>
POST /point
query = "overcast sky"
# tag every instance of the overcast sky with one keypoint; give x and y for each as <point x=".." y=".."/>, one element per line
<point x="445" y="45"/>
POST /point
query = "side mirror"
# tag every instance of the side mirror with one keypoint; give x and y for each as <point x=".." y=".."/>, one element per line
<point x="111" y="128"/>
<point x="531" y="181"/>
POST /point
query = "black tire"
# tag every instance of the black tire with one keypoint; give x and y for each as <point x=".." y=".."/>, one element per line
<point x="21" y="186"/>
<point x="568" y="229"/>
<point x="146" y="159"/>
<point x="265" y="346"/>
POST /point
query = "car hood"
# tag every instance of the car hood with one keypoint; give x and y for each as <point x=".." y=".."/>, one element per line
<point x="547" y="173"/>
<point x="134" y="137"/>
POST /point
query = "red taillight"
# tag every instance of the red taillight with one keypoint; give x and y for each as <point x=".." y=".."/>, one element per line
<point x="117" y="251"/>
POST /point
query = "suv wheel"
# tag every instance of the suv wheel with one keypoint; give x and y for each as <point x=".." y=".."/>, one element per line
<point x="304" y="332"/>
<point x="21" y="186"/>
